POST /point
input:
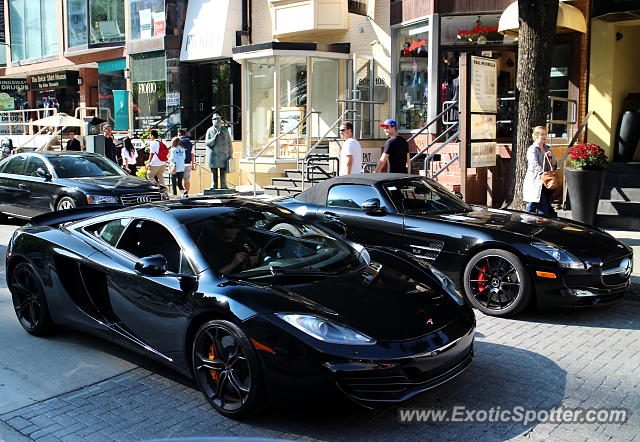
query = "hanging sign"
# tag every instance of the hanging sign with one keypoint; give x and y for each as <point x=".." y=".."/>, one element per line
<point x="484" y="85"/>
<point x="483" y="127"/>
<point x="121" y="109"/>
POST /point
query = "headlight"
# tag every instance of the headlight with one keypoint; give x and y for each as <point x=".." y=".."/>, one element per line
<point x="564" y="258"/>
<point x="101" y="199"/>
<point x="325" y="330"/>
<point x="448" y="285"/>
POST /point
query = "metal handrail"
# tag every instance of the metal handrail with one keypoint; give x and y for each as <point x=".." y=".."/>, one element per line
<point x="24" y="123"/>
<point x="426" y="126"/>
<point x="157" y="123"/>
<point x="270" y="143"/>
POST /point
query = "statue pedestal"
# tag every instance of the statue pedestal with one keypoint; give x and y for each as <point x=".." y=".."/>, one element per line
<point x="218" y="192"/>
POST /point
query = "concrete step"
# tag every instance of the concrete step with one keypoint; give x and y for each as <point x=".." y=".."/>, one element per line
<point x="296" y="174"/>
<point x="620" y="193"/>
<point x="621" y="208"/>
<point x="622" y="179"/>
<point x="281" y="190"/>
<point x="610" y="221"/>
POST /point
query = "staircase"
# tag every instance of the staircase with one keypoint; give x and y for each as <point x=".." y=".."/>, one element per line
<point x="619" y="206"/>
<point x="291" y="183"/>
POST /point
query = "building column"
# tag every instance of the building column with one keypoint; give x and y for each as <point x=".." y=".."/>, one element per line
<point x="89" y="87"/>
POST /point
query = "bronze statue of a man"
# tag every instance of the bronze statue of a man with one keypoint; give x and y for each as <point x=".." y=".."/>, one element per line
<point x="219" y="151"/>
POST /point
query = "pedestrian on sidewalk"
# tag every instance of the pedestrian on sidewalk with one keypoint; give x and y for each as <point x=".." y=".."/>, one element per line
<point x="110" y="149"/>
<point x="129" y="156"/>
<point x="539" y="159"/>
<point x="351" y="152"/>
<point x="396" y="151"/>
<point x="73" y="144"/>
<point x="189" y="160"/>
<point x="157" y="159"/>
<point x="176" y="165"/>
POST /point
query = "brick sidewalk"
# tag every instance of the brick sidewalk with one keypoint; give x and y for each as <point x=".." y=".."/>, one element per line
<point x="574" y="358"/>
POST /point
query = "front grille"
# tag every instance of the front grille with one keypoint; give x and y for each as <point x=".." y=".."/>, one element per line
<point x="140" y="198"/>
<point x="397" y="383"/>
<point x="616" y="272"/>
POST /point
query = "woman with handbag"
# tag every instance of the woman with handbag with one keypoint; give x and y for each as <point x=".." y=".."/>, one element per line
<point x="541" y="178"/>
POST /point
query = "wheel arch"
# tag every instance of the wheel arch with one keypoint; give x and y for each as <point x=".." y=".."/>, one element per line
<point x="76" y="197"/>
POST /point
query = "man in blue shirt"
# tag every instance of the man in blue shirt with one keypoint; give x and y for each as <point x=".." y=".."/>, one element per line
<point x="189" y="163"/>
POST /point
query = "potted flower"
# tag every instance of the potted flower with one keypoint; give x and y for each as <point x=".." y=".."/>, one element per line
<point x="584" y="176"/>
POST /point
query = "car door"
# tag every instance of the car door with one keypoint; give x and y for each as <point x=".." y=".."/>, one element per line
<point x="13" y="189"/>
<point x="344" y="201"/>
<point x="153" y="310"/>
<point x="40" y="190"/>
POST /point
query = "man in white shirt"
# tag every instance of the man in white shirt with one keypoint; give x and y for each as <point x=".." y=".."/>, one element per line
<point x="351" y="152"/>
<point x="156" y="165"/>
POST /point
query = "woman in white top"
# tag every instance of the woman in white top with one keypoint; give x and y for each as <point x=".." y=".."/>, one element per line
<point x="539" y="160"/>
<point x="129" y="156"/>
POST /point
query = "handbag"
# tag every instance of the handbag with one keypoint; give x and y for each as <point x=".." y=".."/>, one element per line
<point x="551" y="179"/>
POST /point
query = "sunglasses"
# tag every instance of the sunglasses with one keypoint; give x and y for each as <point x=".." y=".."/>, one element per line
<point x="342" y="129"/>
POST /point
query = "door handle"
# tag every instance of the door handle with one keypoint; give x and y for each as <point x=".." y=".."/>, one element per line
<point x="330" y="216"/>
<point x="22" y="186"/>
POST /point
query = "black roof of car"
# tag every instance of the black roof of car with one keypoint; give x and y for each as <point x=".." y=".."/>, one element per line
<point x="318" y="193"/>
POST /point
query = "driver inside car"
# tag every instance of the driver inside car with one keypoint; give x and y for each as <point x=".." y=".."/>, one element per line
<point x="234" y="251"/>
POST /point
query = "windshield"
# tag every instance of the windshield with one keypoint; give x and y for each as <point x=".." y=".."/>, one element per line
<point x="420" y="196"/>
<point x="265" y="242"/>
<point x="84" y="166"/>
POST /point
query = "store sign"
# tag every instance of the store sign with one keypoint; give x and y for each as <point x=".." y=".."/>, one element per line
<point x="602" y="7"/>
<point x="121" y="109"/>
<point x="484" y="85"/>
<point x="145" y="23"/>
<point x="18" y="84"/>
<point x="210" y="29"/>
<point x="147" y="88"/>
<point x="173" y="99"/>
<point x="55" y="80"/>
<point x="119" y="64"/>
<point x="478" y="29"/>
<point x="483" y="154"/>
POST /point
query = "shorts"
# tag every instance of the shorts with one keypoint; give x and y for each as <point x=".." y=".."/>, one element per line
<point x="187" y="172"/>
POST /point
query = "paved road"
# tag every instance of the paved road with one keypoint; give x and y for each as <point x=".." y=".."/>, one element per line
<point x="72" y="387"/>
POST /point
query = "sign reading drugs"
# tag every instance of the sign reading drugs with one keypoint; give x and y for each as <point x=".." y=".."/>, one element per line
<point x="484" y="85"/>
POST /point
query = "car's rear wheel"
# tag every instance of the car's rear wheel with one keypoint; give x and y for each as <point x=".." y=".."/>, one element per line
<point x="227" y="370"/>
<point x="66" y="203"/>
<point x="496" y="283"/>
<point x="29" y="300"/>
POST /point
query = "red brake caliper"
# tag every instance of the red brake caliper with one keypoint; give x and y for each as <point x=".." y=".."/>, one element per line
<point x="482" y="277"/>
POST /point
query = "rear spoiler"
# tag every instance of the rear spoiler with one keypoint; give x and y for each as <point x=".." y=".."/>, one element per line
<point x="54" y="219"/>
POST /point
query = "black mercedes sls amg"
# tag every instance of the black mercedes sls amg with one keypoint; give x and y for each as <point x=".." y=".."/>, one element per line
<point x="502" y="259"/>
<point x="248" y="298"/>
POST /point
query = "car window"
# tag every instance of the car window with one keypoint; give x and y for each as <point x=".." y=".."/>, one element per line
<point x="77" y="166"/>
<point x="143" y="238"/>
<point x="424" y="197"/>
<point x="351" y="195"/>
<point x="109" y="231"/>
<point x="32" y="165"/>
<point x="15" y="165"/>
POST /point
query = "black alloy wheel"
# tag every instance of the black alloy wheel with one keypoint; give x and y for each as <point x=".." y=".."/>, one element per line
<point x="29" y="300"/>
<point x="496" y="283"/>
<point x="227" y="369"/>
<point x="66" y="203"/>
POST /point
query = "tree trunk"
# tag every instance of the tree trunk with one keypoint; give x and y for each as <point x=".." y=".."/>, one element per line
<point x="535" y="49"/>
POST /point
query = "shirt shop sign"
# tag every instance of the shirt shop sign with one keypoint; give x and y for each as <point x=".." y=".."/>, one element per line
<point x="55" y="80"/>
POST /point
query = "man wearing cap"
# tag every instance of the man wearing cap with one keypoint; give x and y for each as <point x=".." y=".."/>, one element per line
<point x="396" y="151"/>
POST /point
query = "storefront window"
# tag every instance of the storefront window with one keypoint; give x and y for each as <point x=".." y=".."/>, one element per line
<point x="106" y="18"/>
<point x="148" y="78"/>
<point x="412" y="79"/>
<point x="147" y="19"/>
<point x="468" y="30"/>
<point x="324" y="92"/>
<point x="261" y="102"/>
<point x="36" y="19"/>
<point x="76" y="22"/>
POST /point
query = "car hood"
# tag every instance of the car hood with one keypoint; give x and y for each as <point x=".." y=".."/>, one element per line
<point x="581" y="240"/>
<point x="118" y="183"/>
<point x="389" y="304"/>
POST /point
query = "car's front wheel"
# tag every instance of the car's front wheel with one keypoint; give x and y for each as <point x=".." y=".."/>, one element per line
<point x="65" y="203"/>
<point x="496" y="283"/>
<point x="29" y="300"/>
<point x="227" y="370"/>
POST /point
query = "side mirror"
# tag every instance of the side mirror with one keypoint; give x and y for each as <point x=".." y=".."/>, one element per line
<point x="154" y="265"/>
<point x="372" y="206"/>
<point x="43" y="173"/>
<point x="458" y="194"/>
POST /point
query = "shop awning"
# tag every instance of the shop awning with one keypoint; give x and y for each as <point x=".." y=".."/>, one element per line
<point x="569" y="17"/>
<point x="210" y="29"/>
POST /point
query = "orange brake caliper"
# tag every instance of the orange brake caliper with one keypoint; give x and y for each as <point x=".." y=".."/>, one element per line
<point x="212" y="356"/>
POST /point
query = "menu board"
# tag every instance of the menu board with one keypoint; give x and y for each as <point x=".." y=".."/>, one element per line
<point x="483" y="127"/>
<point x="484" y="85"/>
<point x="483" y="154"/>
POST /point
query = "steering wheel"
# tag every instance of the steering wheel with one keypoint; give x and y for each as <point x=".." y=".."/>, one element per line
<point x="266" y="250"/>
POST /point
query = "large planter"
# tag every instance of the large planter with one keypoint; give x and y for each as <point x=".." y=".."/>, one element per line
<point x="584" y="187"/>
<point x="628" y="137"/>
